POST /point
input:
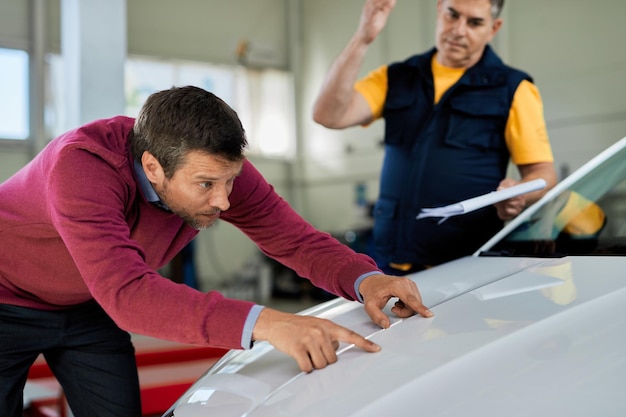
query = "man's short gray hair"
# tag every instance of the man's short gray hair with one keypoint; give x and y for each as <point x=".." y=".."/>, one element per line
<point x="496" y="8"/>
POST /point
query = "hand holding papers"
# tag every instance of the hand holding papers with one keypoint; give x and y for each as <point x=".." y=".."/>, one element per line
<point x="481" y="201"/>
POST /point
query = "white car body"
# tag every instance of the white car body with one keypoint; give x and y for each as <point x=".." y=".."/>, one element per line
<point x="511" y="336"/>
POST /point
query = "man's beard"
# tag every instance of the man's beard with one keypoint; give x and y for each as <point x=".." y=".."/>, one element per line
<point x="186" y="216"/>
<point x="192" y="222"/>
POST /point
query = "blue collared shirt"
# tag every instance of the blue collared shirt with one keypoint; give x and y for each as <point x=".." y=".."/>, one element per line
<point x="146" y="187"/>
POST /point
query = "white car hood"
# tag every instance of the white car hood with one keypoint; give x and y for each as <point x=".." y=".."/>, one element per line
<point x="510" y="337"/>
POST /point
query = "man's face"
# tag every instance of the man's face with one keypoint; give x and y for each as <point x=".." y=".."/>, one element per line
<point x="199" y="189"/>
<point x="464" y="28"/>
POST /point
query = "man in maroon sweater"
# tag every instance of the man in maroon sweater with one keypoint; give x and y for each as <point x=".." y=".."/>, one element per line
<point x="87" y="223"/>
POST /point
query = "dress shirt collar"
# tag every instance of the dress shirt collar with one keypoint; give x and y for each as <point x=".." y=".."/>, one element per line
<point x="146" y="187"/>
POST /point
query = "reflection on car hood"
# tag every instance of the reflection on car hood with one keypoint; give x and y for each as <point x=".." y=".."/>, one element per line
<point x="510" y="337"/>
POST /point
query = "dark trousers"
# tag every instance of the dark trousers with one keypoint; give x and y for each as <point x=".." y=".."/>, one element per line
<point x="90" y="356"/>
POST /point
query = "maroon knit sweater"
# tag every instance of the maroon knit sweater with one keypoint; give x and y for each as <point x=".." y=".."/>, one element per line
<point x="74" y="226"/>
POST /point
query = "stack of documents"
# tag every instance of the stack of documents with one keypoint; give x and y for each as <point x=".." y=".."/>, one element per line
<point x="484" y="200"/>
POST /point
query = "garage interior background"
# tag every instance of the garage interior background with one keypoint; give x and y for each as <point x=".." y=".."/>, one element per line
<point x="269" y="57"/>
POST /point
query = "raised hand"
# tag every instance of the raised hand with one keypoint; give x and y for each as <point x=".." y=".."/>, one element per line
<point x="374" y="18"/>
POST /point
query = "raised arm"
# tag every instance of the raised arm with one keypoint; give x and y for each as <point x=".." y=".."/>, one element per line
<point x="338" y="105"/>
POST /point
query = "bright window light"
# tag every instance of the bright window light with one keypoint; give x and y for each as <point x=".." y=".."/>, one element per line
<point x="14" y="113"/>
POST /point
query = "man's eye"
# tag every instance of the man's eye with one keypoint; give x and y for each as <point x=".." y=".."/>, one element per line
<point x="206" y="184"/>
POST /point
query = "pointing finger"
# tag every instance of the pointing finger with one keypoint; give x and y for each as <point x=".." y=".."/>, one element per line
<point x="357" y="340"/>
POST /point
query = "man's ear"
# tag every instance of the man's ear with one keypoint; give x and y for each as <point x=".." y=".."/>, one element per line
<point x="152" y="168"/>
<point x="497" y="24"/>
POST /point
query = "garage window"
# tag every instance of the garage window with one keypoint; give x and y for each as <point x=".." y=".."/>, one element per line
<point x="14" y="114"/>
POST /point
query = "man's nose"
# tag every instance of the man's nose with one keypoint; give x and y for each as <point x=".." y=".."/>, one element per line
<point x="460" y="27"/>
<point x="219" y="198"/>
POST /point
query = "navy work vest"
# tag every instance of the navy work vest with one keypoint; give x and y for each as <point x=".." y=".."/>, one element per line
<point x="437" y="155"/>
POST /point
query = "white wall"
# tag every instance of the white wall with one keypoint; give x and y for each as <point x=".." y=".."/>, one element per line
<point x="209" y="30"/>
<point x="12" y="159"/>
<point x="574" y="49"/>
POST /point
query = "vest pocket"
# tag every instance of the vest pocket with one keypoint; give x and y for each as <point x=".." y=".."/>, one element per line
<point x="477" y="122"/>
<point x="399" y="118"/>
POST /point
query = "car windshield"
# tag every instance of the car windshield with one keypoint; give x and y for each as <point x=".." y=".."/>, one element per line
<point x="583" y="215"/>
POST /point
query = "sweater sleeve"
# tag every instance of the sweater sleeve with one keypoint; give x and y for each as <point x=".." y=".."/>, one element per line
<point x="282" y="234"/>
<point x="115" y="259"/>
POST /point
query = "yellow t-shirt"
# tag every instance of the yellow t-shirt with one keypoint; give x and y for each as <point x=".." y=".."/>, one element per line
<point x="580" y="217"/>
<point x="525" y="132"/>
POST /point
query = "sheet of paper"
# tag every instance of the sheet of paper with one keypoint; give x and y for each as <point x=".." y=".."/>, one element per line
<point x="481" y="201"/>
